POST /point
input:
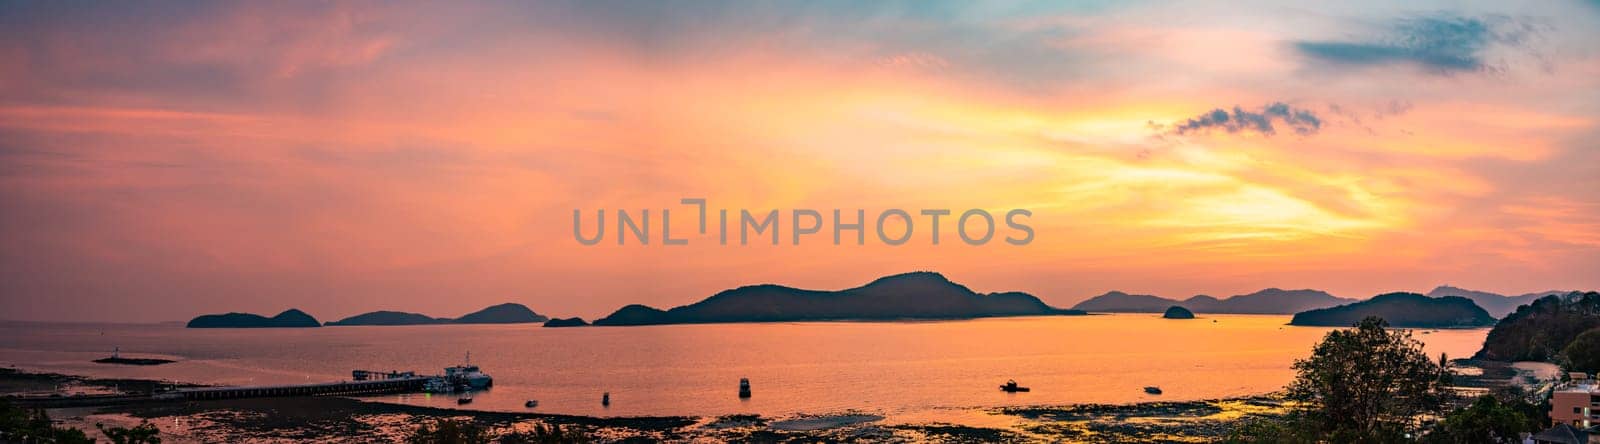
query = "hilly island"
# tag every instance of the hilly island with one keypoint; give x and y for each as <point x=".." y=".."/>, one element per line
<point x="1268" y="301"/>
<point x="289" y="318"/>
<point x="1401" y="310"/>
<point x="507" y="313"/>
<point x="1545" y="330"/>
<point x="1497" y="305"/>
<point x="916" y="295"/>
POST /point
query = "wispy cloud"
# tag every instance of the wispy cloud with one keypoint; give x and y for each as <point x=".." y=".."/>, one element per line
<point x="1300" y="120"/>
<point x="1441" y="43"/>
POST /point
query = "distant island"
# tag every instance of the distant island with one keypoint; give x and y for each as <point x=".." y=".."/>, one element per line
<point x="1268" y="301"/>
<point x="508" y="313"/>
<point x="917" y="295"/>
<point x="388" y="318"/>
<point x="1541" y="330"/>
<point x="1497" y="305"/>
<point x="568" y="322"/>
<point x="291" y="318"/>
<point x="1176" y="312"/>
<point x="1406" y="310"/>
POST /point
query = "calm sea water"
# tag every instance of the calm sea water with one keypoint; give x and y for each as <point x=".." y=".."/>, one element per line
<point x="895" y="368"/>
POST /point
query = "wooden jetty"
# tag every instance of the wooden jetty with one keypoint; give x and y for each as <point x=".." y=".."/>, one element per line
<point x="342" y="388"/>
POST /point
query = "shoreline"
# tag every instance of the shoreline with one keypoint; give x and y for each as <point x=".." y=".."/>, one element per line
<point x="345" y="419"/>
<point x="352" y="419"/>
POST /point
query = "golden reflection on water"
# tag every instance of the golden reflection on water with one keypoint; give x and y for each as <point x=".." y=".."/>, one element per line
<point x="900" y="369"/>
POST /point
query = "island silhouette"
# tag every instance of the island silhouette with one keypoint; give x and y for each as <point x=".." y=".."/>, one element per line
<point x="1268" y="301"/>
<point x="1497" y="305"/>
<point x="1401" y="310"/>
<point x="507" y="313"/>
<point x="291" y="318"/>
<point x="1176" y="312"/>
<point x="915" y="295"/>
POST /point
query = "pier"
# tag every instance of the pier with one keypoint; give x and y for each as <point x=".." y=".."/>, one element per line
<point x="342" y="388"/>
<point x="371" y="387"/>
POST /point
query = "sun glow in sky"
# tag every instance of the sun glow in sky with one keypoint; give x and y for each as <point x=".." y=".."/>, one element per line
<point x="163" y="160"/>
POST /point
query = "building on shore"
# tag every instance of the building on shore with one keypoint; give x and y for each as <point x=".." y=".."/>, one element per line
<point x="1576" y="402"/>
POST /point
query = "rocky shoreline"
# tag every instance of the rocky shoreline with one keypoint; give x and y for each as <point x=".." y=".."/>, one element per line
<point x="337" y="419"/>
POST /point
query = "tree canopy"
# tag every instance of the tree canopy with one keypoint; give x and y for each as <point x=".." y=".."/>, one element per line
<point x="1369" y="384"/>
<point x="1583" y="353"/>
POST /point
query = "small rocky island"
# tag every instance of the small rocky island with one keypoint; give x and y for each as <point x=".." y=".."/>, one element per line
<point x="917" y="295"/>
<point x="1176" y="312"/>
<point x="567" y="322"/>
<point x="291" y="318"/>
<point x="1405" y="310"/>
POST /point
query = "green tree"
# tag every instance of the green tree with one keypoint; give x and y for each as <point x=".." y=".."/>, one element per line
<point x="1487" y="420"/>
<point x="144" y="433"/>
<point x="1292" y="429"/>
<point x="23" y="425"/>
<point x="1369" y="384"/>
<point x="545" y="434"/>
<point x="449" y="431"/>
<point x="1583" y="353"/>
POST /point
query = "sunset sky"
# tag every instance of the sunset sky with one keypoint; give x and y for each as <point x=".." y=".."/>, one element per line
<point x="159" y="161"/>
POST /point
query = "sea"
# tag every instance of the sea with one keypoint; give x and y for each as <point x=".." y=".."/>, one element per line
<point x="900" y="369"/>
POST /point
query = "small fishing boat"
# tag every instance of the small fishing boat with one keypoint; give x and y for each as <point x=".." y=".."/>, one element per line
<point x="530" y="404"/>
<point x="744" y="387"/>
<point x="1011" y="387"/>
<point x="1153" y="390"/>
<point x="466" y="398"/>
<point x="605" y="399"/>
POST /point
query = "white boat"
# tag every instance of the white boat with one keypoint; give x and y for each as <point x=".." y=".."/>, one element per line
<point x="468" y="375"/>
<point x="437" y="385"/>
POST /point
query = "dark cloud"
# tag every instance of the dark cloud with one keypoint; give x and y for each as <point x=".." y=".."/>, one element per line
<point x="1301" y="121"/>
<point x="1442" y="44"/>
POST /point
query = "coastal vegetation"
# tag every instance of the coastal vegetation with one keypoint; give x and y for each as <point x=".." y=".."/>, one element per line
<point x="1583" y="353"/>
<point x="464" y="431"/>
<point x="289" y="318"/>
<point x="1377" y="399"/>
<point x="144" y="433"/>
<point x="1488" y="419"/>
<point x="1409" y="310"/>
<point x="22" y="425"/>
<point x="1370" y="383"/>
<point x="449" y="431"/>
<point x="1541" y="331"/>
<point x="918" y="295"/>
